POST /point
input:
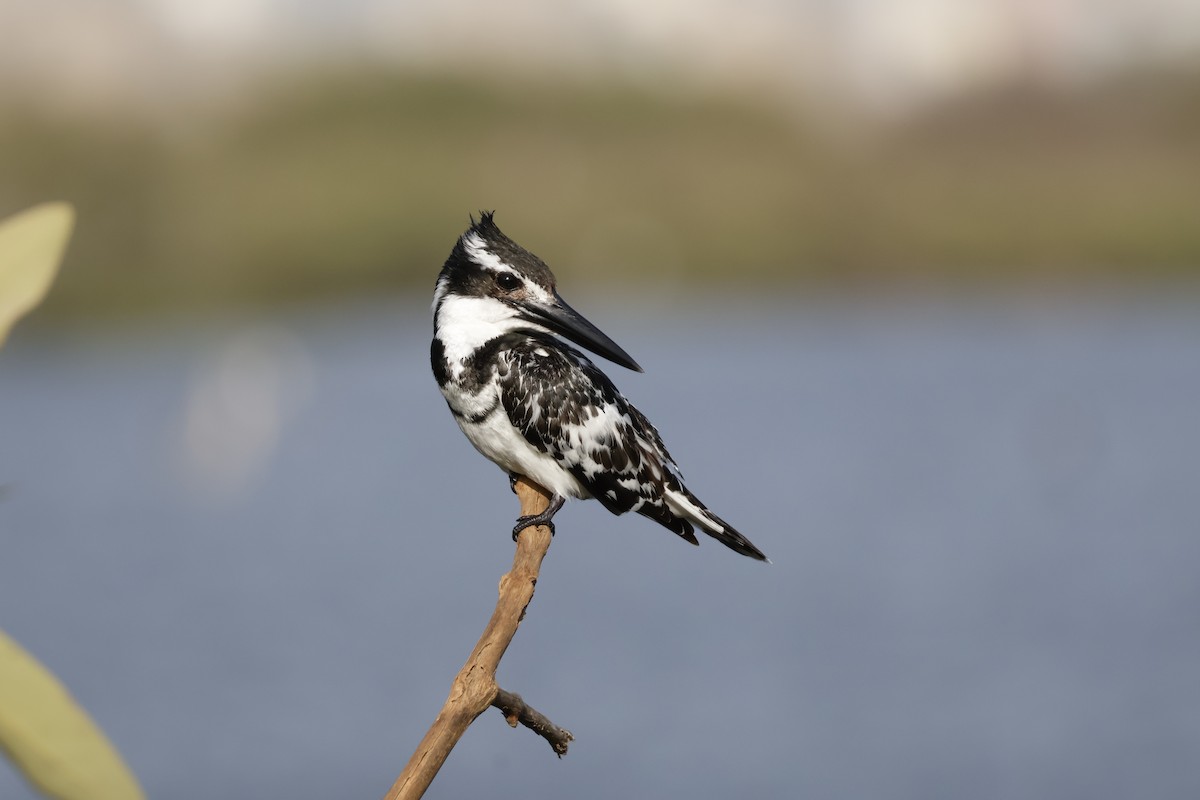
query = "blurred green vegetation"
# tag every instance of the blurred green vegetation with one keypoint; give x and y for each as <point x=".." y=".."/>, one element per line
<point x="359" y="180"/>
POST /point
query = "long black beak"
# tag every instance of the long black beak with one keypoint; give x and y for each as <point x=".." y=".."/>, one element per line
<point x="568" y="322"/>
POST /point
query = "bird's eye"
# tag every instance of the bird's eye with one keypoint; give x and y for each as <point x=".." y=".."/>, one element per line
<point x="507" y="281"/>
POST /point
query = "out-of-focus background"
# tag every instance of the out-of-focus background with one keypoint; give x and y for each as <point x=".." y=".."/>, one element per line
<point x="915" y="287"/>
<point x="262" y="150"/>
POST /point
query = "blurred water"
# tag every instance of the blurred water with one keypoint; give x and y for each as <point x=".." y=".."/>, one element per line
<point x="258" y="550"/>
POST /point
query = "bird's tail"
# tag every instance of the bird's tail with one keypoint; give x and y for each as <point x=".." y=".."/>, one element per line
<point x="686" y="505"/>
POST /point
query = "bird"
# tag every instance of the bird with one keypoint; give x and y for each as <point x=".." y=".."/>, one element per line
<point x="538" y="407"/>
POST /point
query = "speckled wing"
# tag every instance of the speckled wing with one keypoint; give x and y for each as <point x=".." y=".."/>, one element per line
<point x="567" y="408"/>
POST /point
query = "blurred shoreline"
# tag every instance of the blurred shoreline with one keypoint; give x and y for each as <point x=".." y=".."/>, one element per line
<point x="353" y="181"/>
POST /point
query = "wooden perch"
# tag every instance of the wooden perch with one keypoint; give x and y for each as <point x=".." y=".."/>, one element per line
<point x="474" y="689"/>
<point x="517" y="712"/>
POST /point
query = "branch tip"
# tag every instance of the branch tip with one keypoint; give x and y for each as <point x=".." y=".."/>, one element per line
<point x="515" y="709"/>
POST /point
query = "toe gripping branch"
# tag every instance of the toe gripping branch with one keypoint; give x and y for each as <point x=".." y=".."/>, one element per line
<point x="545" y="518"/>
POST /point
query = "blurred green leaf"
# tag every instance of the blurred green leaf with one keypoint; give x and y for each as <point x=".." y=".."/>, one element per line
<point x="51" y="738"/>
<point x="43" y="730"/>
<point x="31" y="247"/>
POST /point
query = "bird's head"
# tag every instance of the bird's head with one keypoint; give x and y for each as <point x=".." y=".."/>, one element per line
<point x="491" y="285"/>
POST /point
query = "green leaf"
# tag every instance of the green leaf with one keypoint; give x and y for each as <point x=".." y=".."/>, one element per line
<point x="31" y="247"/>
<point x="51" y="739"/>
<point x="42" y="729"/>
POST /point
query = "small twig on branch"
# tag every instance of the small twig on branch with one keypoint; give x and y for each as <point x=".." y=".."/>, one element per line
<point x="516" y="711"/>
<point x="474" y="689"/>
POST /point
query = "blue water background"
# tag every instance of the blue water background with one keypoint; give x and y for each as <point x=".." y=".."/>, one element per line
<point x="984" y="517"/>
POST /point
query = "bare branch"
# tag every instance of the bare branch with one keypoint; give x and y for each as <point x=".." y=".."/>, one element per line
<point x="515" y="710"/>
<point x="474" y="689"/>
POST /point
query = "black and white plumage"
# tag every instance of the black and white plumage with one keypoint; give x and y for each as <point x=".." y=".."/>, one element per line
<point x="538" y="407"/>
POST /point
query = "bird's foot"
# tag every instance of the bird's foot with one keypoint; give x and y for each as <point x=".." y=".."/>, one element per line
<point x="531" y="521"/>
<point x="512" y="481"/>
<point x="545" y="518"/>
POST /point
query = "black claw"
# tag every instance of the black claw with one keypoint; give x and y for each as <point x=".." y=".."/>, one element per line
<point x="545" y="518"/>
<point x="512" y="481"/>
<point x="529" y="522"/>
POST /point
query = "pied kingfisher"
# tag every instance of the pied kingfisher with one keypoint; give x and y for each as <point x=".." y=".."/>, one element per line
<point x="538" y="407"/>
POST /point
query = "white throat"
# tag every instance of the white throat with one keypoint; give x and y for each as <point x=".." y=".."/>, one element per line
<point x="464" y="324"/>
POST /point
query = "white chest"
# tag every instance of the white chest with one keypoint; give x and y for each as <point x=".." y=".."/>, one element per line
<point x="483" y="420"/>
